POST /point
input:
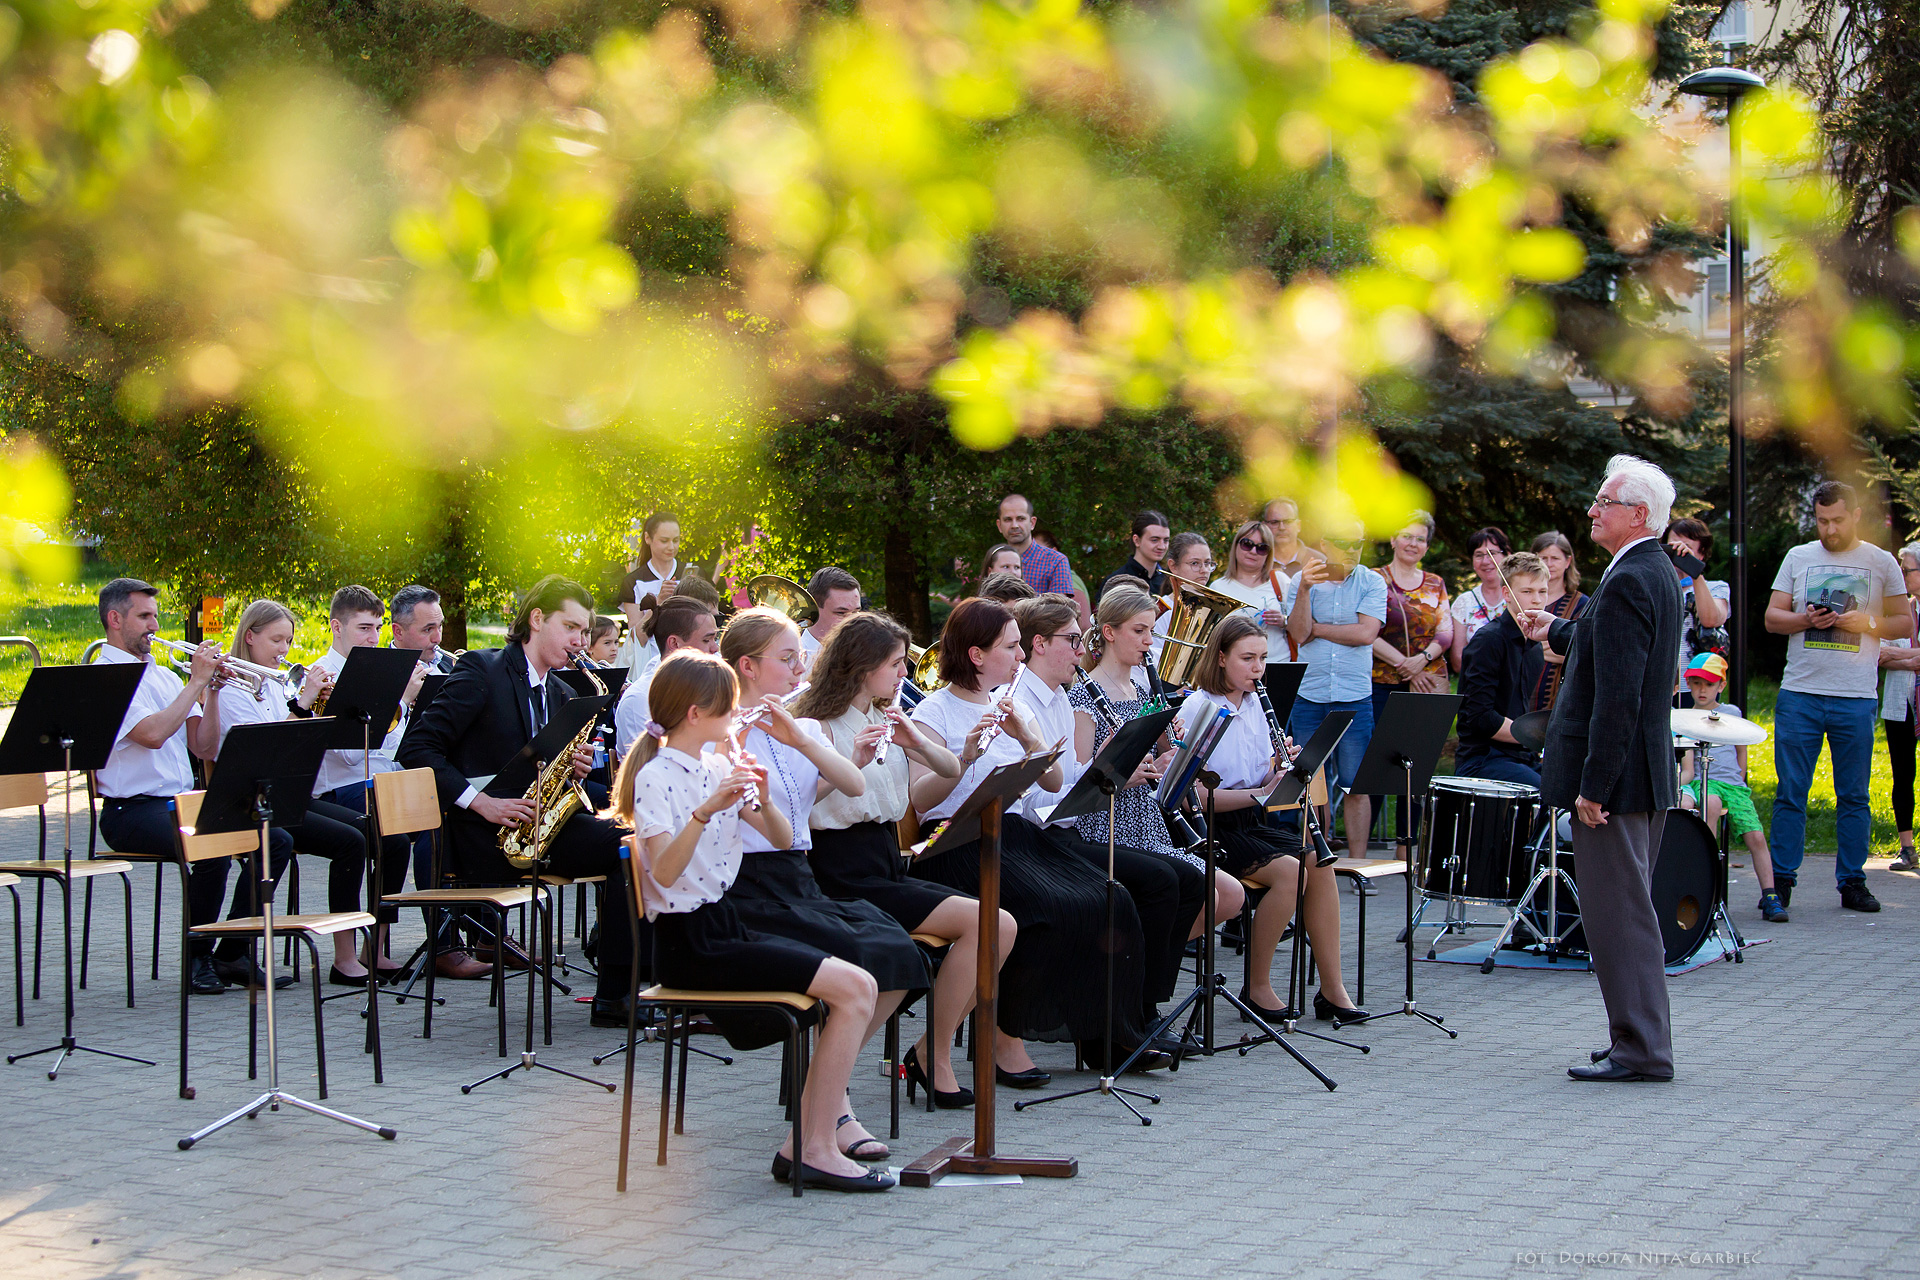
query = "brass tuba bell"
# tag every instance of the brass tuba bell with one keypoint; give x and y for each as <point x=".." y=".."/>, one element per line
<point x="1196" y="612"/>
<point x="926" y="667"/>
<point x="784" y="595"/>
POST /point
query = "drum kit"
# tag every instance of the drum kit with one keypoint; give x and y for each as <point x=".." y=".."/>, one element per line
<point x="1494" y="843"/>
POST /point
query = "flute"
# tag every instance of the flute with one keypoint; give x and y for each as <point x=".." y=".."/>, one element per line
<point x="742" y="758"/>
<point x="880" y="748"/>
<point x="992" y="730"/>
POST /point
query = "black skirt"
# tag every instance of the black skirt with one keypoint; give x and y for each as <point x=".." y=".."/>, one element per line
<point x="1248" y="841"/>
<point x="710" y="949"/>
<point x="863" y="861"/>
<point x="1053" y="985"/>
<point x="777" y="894"/>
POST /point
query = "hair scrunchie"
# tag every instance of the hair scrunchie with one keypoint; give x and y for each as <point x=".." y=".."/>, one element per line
<point x="654" y="730"/>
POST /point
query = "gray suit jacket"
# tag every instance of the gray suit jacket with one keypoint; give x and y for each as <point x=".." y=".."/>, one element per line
<point x="1610" y="738"/>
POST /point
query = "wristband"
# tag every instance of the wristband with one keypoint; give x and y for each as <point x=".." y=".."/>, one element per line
<point x="697" y="818"/>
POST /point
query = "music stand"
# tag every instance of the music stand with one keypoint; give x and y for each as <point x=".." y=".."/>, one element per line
<point x="1407" y="741"/>
<point x="1282" y="683"/>
<point x="1104" y="779"/>
<point x="980" y="817"/>
<point x="68" y="718"/>
<point x="264" y="778"/>
<point x="511" y="783"/>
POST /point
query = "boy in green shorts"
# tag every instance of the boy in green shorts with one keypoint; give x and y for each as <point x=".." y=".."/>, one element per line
<point x="1727" y="789"/>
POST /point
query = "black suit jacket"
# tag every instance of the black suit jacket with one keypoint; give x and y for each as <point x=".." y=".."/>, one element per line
<point x="472" y="729"/>
<point x="1611" y="738"/>
<point x="1497" y="671"/>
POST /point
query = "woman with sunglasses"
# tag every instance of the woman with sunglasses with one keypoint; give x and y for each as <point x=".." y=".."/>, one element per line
<point x="1251" y="577"/>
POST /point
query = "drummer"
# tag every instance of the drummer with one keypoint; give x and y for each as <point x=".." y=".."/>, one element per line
<point x="1497" y="672"/>
<point x="1726" y="778"/>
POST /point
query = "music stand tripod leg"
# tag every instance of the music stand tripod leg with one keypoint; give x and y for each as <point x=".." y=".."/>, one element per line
<point x="1409" y="1007"/>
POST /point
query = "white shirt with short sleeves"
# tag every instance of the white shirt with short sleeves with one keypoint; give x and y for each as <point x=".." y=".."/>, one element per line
<point x="792" y="782"/>
<point x="134" y="770"/>
<point x="949" y="719"/>
<point x="1340" y="672"/>
<point x="1047" y="708"/>
<point x="630" y="714"/>
<point x="1258" y="600"/>
<point x="666" y="792"/>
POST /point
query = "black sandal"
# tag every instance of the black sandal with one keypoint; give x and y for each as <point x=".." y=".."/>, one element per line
<point x="854" y="1152"/>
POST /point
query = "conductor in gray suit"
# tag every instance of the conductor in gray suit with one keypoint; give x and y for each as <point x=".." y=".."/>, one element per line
<point x="1609" y="759"/>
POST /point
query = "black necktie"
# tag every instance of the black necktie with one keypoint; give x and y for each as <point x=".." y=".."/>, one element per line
<point x="538" y="697"/>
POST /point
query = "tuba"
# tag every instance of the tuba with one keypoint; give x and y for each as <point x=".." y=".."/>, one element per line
<point x="556" y="795"/>
<point x="926" y="668"/>
<point x="784" y="595"/>
<point x="1196" y="612"/>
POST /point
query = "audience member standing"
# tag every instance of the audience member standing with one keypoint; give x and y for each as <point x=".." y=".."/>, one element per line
<point x="1565" y="601"/>
<point x="1335" y="608"/>
<point x="1835" y="599"/>
<point x="1410" y="651"/>
<point x="1151" y="538"/>
<point x="1899" y="659"/>
<point x="1044" y="567"/>
<point x="1481" y="603"/>
<point x="1282" y="518"/>
<point x="1705" y="599"/>
<point x="1250" y="576"/>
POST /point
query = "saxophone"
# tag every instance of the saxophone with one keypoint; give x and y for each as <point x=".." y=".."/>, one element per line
<point x="556" y="795"/>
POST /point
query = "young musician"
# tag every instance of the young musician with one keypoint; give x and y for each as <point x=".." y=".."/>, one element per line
<point x="654" y="578"/>
<point x="603" y="641"/>
<point x="1252" y="577"/>
<point x="1007" y="588"/>
<point x="1498" y="672"/>
<point x="493" y="704"/>
<point x="1250" y="846"/>
<point x="683" y="795"/>
<point x="681" y="623"/>
<point x="1166" y="891"/>
<point x="1151" y="537"/>
<point x="775" y="891"/>
<point x="856" y="843"/>
<point x="262" y="636"/>
<point x="354" y="617"/>
<point x="1056" y="975"/>
<point x="150" y="765"/>
<point x="1188" y="557"/>
<point x="837" y="594"/>
<point x="418" y="624"/>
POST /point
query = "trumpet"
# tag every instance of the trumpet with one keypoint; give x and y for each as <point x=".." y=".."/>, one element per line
<point x="250" y="674"/>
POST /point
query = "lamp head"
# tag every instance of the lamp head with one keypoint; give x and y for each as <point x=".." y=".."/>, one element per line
<point x="1721" y="82"/>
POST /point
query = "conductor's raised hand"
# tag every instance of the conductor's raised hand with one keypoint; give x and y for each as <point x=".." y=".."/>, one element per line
<point x="502" y="811"/>
<point x="1534" y="624"/>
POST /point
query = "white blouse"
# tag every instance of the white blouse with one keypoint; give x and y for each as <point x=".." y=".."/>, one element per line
<point x="238" y="706"/>
<point x="1244" y="757"/>
<point x="1258" y="599"/>
<point x="792" y="782"/>
<point x="950" y="718"/>
<point x="885" y="799"/>
<point x="666" y="792"/>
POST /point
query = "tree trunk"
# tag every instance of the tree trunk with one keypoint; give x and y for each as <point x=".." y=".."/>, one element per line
<point x="907" y="584"/>
<point x="452" y="566"/>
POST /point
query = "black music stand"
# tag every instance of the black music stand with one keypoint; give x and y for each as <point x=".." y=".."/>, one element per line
<point x="1282" y="683"/>
<point x="979" y="817"/>
<point x="1407" y="742"/>
<point x="1289" y="791"/>
<point x="68" y="718"/>
<point x="511" y="783"/>
<point x="264" y="778"/>
<point x="1104" y="779"/>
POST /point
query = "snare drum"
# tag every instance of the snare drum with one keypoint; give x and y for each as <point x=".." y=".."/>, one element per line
<point x="1476" y="839"/>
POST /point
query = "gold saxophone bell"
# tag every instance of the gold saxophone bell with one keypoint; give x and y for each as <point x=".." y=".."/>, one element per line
<point x="785" y="596"/>
<point x="556" y="795"/>
<point x="1196" y="612"/>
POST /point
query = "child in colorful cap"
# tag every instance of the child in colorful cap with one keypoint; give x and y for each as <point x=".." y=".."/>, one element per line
<point x="1726" y="770"/>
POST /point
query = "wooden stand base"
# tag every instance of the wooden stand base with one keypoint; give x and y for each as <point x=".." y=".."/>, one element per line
<point x="955" y="1155"/>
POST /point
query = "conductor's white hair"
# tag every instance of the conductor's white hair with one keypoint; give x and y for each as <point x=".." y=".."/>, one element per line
<point x="1643" y="483"/>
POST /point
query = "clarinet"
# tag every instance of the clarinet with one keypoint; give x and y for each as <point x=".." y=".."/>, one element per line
<point x="1278" y="738"/>
<point x="1186" y="828"/>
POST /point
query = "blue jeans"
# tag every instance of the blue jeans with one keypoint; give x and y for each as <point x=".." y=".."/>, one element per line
<point x="1306" y="717"/>
<point x="1800" y="721"/>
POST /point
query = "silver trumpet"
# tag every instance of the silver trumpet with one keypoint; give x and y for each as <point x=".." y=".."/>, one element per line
<point x="250" y="674"/>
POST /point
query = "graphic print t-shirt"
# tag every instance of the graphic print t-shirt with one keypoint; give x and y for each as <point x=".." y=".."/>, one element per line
<point x="1831" y="662"/>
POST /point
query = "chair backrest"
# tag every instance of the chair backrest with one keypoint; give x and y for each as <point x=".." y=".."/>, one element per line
<point x="406" y="801"/>
<point x="199" y="848"/>
<point x="22" y="790"/>
<point x="630" y="849"/>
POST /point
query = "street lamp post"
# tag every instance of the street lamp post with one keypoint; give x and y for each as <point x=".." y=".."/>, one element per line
<point x="1730" y="83"/>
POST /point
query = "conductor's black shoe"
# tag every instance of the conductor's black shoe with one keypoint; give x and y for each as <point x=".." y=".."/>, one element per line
<point x="1600" y="1055"/>
<point x="609" y="1011"/>
<point x="203" y="979"/>
<point x="1327" y="1011"/>
<point x="1605" y="1072"/>
<point x="1855" y="896"/>
<point x="245" y="973"/>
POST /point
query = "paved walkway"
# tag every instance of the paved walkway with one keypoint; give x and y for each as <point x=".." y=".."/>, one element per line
<point x="1785" y="1148"/>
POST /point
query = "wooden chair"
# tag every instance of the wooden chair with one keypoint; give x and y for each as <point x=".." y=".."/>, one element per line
<point x="555" y="883"/>
<point x="798" y="1010"/>
<point x="934" y="945"/>
<point x="193" y="848"/>
<point x="29" y="790"/>
<point x="406" y="803"/>
<point x="12" y="884"/>
<point x="159" y="864"/>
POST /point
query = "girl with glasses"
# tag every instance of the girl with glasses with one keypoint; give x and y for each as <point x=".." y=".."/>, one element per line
<point x="1481" y="603"/>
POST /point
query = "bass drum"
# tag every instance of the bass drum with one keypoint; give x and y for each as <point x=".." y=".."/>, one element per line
<point x="1686" y="883"/>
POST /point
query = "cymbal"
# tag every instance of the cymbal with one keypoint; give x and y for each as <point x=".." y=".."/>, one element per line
<point x="1530" y="730"/>
<point x="1721" y="728"/>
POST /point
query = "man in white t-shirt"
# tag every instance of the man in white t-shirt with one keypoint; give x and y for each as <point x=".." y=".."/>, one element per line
<point x="681" y="623"/>
<point x="1835" y="599"/>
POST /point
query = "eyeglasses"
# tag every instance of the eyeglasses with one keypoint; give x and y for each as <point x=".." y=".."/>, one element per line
<point x="1252" y="544"/>
<point x="1603" y="502"/>
<point x="1075" y="641"/>
<point x="1203" y="565"/>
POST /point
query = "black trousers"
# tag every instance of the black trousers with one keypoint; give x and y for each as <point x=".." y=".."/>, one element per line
<point x="586" y="846"/>
<point x="145" y="826"/>
<point x="336" y="828"/>
<point x="1169" y="895"/>
<point x="1900" y="756"/>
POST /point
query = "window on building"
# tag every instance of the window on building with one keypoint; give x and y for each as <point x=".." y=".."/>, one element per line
<point x="1719" y="293"/>
<point x="1732" y="28"/>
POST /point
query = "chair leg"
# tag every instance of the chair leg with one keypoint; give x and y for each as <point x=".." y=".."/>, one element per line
<point x="19" y="978"/>
<point x="1360" y="952"/>
<point x="86" y="931"/>
<point x="126" y="884"/>
<point x="186" y="969"/>
<point x="373" y="1000"/>
<point x="680" y="1093"/>
<point x="893" y="1073"/>
<point x="39" y="918"/>
<point x="666" y="1081"/>
<point x="626" y="1096"/>
<point x="319" y="1028"/>
<point x="544" y="914"/>
<point x="798" y="1036"/>
<point x="499" y="973"/>
<point x="433" y="968"/>
<point x="159" y="882"/>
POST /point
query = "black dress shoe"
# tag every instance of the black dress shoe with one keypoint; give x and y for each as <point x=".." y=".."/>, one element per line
<point x="1272" y="1016"/>
<point x="203" y="979"/>
<point x="245" y="973"/>
<point x="1031" y="1078"/>
<point x="1600" y="1055"/>
<point x="1607" y="1073"/>
<point x="609" y="1011"/>
<point x="1327" y="1011"/>
<point x="1151" y="1060"/>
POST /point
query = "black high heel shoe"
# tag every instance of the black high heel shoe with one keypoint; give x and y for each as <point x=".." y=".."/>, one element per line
<point x="1031" y="1078"/>
<point x="1327" y="1011"/>
<point x="1271" y="1016"/>
<point x="917" y="1076"/>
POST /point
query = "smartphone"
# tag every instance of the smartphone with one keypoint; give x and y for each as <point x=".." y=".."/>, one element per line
<point x="1691" y="565"/>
